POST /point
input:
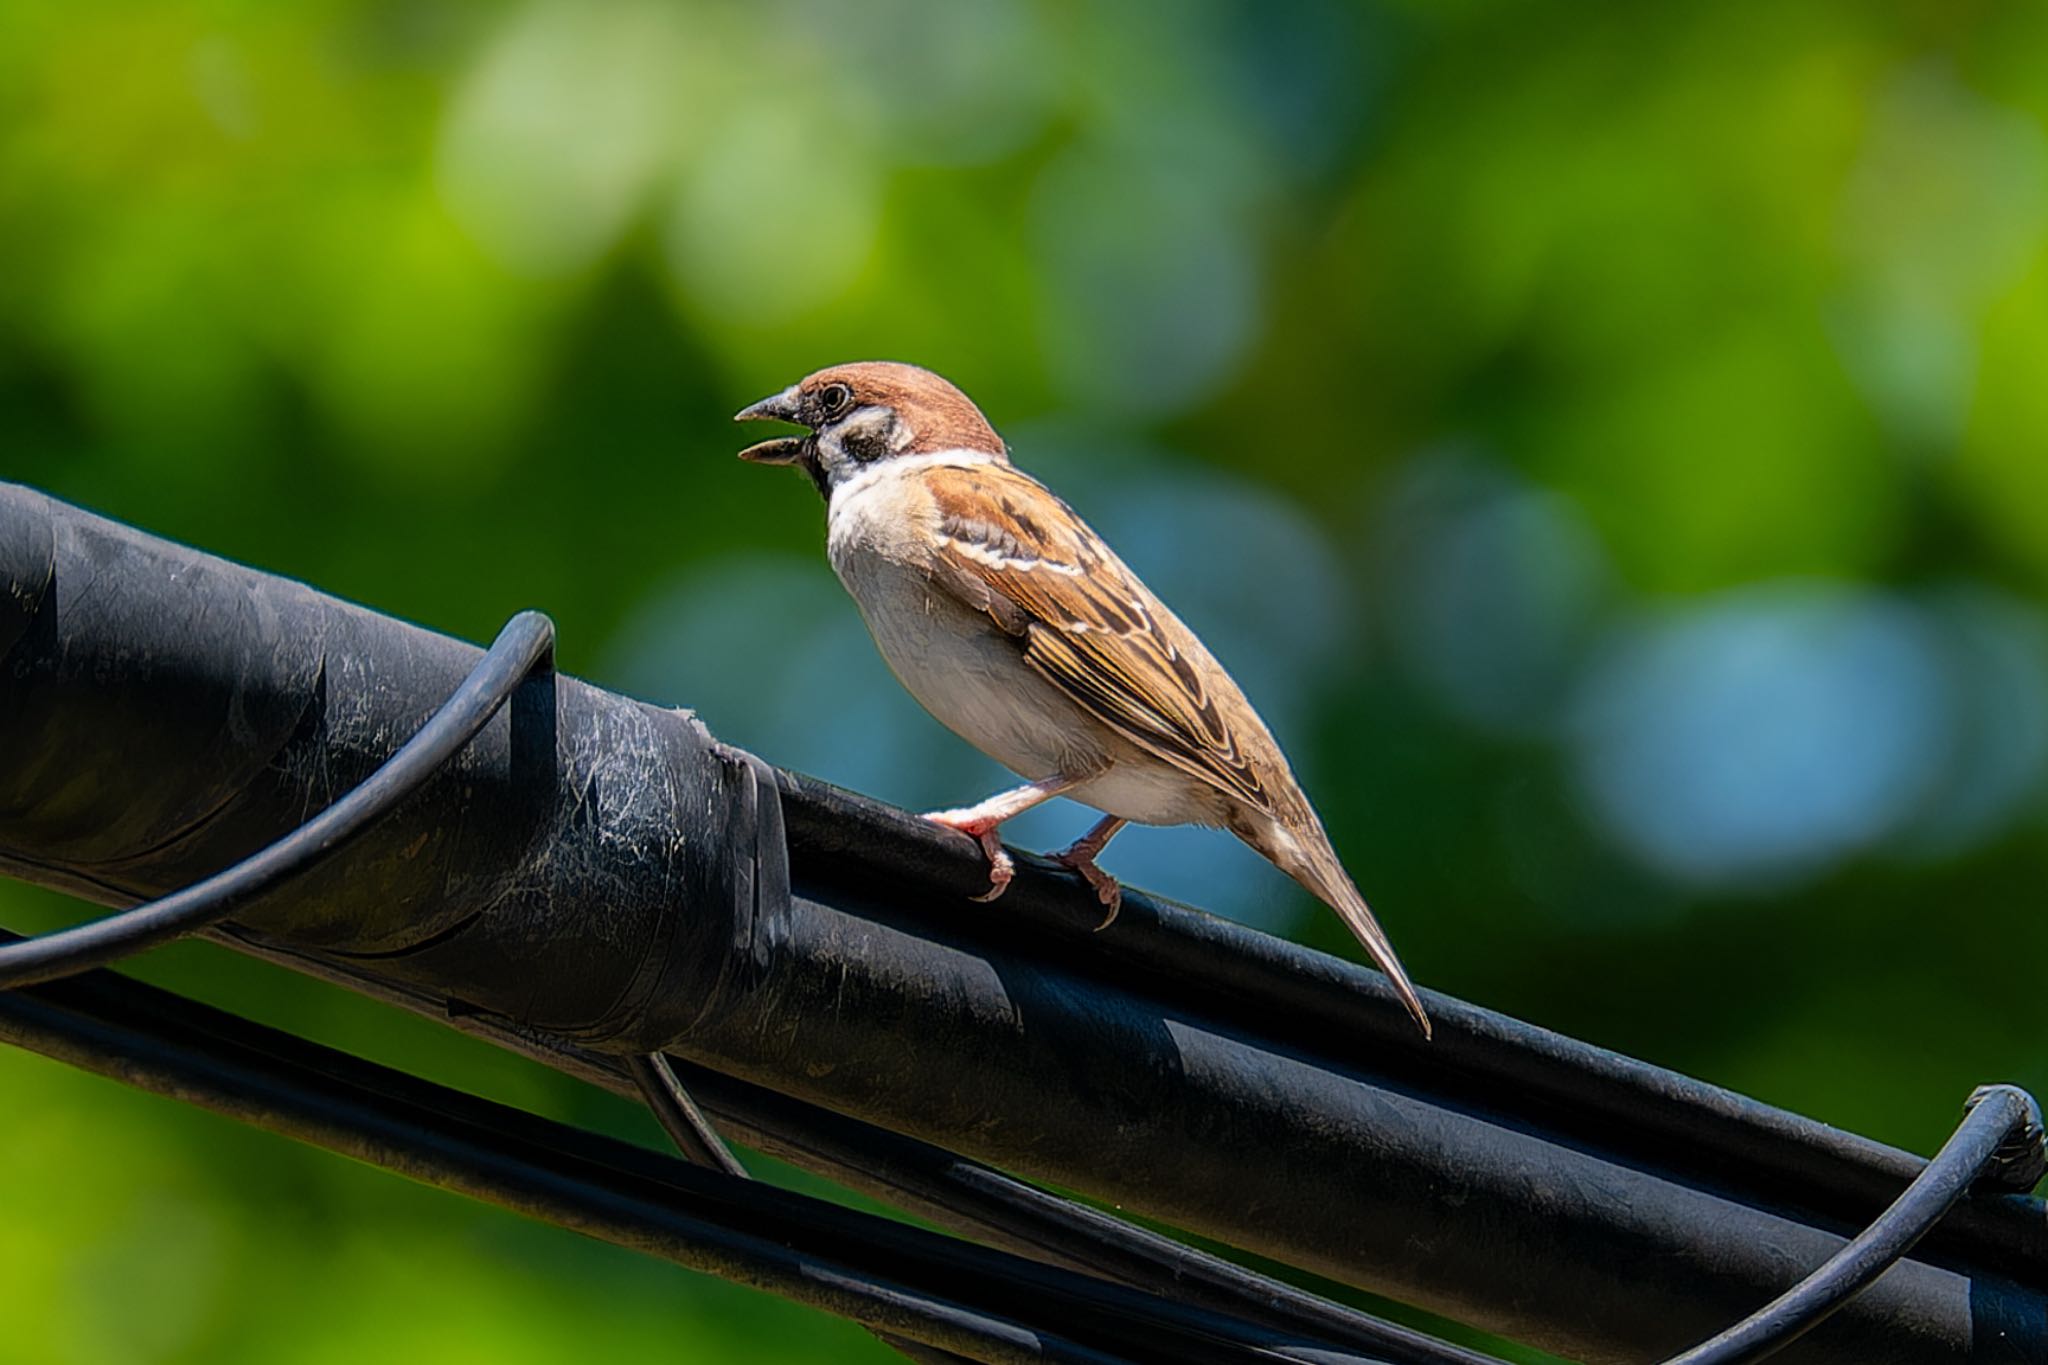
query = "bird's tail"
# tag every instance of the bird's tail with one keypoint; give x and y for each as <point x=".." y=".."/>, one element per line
<point x="1310" y="860"/>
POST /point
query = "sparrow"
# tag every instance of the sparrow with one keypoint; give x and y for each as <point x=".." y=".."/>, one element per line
<point x="1019" y="629"/>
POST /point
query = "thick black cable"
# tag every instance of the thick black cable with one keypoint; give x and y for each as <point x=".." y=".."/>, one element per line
<point x="900" y="1279"/>
<point x="877" y="937"/>
<point x="955" y="1192"/>
<point x="1299" y="998"/>
<point x="1998" y="1117"/>
<point x="525" y="644"/>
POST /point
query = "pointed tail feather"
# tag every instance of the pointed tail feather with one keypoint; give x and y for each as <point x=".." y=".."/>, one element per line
<point x="1313" y="863"/>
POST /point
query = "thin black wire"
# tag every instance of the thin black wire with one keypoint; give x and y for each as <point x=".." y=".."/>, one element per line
<point x="526" y="643"/>
<point x="679" y="1116"/>
<point x="677" y="1112"/>
<point x="972" y="1300"/>
<point x="1998" y="1116"/>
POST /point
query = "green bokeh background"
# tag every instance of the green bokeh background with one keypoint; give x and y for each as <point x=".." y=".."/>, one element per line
<point x="1611" y="441"/>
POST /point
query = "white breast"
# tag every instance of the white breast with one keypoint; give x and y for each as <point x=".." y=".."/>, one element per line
<point x="952" y="659"/>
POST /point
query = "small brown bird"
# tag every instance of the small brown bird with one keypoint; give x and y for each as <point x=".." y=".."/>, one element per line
<point x="1021" y="631"/>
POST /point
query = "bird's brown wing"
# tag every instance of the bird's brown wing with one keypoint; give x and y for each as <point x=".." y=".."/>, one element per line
<point x="1011" y="549"/>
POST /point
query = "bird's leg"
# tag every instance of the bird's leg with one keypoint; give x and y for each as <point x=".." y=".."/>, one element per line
<point x="1080" y="856"/>
<point x="980" y="822"/>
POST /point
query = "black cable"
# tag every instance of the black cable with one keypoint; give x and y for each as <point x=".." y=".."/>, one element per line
<point x="677" y="1112"/>
<point x="1059" y="1231"/>
<point x="843" y="844"/>
<point x="1998" y="1116"/>
<point x="1003" y="1210"/>
<point x="953" y="1191"/>
<point x="899" y="1279"/>
<point x="526" y="643"/>
<point x="679" y="1115"/>
<point x="1140" y="1065"/>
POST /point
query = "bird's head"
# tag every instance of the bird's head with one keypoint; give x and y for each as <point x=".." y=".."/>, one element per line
<point x="863" y="413"/>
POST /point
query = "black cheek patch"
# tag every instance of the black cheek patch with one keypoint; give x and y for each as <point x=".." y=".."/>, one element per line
<point x="869" y="442"/>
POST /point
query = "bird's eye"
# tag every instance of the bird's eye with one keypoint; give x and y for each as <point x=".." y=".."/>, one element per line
<point x="834" y="399"/>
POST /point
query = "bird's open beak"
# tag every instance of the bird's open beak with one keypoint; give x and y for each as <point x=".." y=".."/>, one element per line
<point x="777" y="407"/>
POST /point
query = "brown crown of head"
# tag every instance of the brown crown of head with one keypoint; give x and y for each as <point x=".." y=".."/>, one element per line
<point x="936" y="415"/>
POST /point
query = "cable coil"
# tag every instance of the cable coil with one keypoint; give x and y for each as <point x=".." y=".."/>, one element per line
<point x="526" y="644"/>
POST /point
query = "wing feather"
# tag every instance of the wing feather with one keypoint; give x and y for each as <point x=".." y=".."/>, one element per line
<point x="1011" y="549"/>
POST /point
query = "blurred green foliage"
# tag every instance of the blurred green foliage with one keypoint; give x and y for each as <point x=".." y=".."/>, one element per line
<point x="1608" y="439"/>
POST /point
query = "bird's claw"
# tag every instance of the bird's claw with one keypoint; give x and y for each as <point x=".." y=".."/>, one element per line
<point x="1107" y="889"/>
<point x="1001" y="867"/>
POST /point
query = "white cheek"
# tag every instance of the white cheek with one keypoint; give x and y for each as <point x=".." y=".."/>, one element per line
<point x="868" y="423"/>
<point x="832" y="459"/>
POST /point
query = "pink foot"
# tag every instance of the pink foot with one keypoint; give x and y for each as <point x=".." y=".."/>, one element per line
<point x="1001" y="868"/>
<point x="1107" y="889"/>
